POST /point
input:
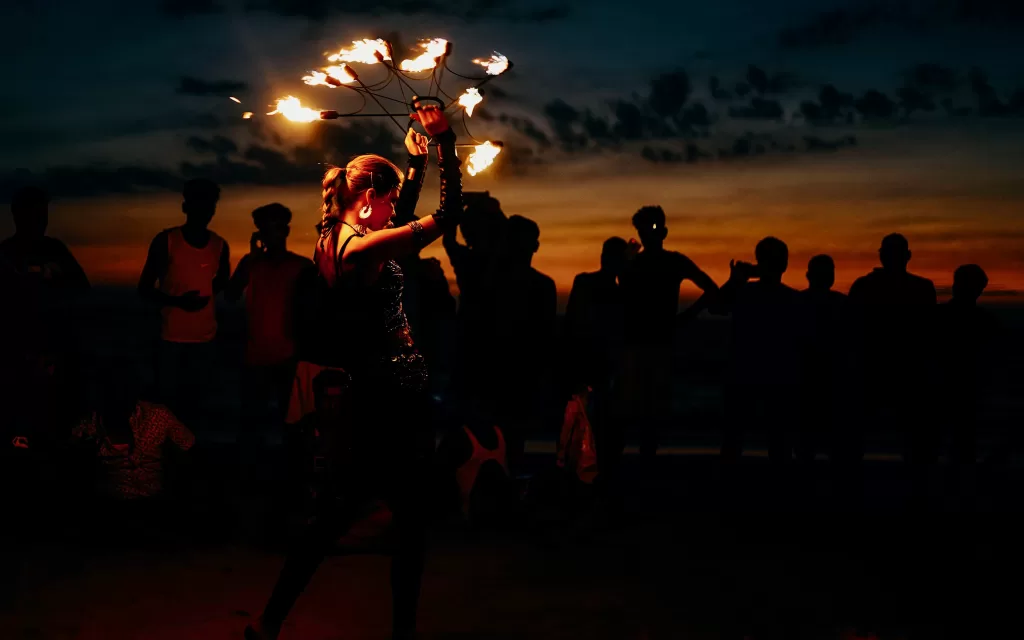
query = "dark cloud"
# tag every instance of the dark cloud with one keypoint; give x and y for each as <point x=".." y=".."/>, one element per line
<point x="763" y="83"/>
<point x="930" y="76"/>
<point x="875" y="105"/>
<point x="189" y="86"/>
<point x="468" y="9"/>
<point x="184" y="8"/>
<point x="843" y="25"/>
<point x="217" y="145"/>
<point x="669" y="93"/>
<point x="526" y="127"/>
<point x="691" y="154"/>
<point x="913" y="99"/>
<point x="717" y="92"/>
<point x="84" y="181"/>
<point x="758" y="109"/>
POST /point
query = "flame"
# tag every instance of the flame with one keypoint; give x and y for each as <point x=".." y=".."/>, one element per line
<point x="482" y="157"/>
<point x="291" y="108"/>
<point x="340" y="72"/>
<point x="496" y="65"/>
<point x="432" y="50"/>
<point x="247" y="115"/>
<point x="362" y="51"/>
<point x="234" y="99"/>
<point x="470" y="99"/>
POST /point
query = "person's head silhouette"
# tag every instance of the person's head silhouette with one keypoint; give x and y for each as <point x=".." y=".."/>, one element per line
<point x="894" y="252"/>
<point x="649" y="222"/>
<point x="274" y="224"/>
<point x="199" y="202"/>
<point x="613" y="256"/>
<point x="772" y="257"/>
<point x="522" y="239"/>
<point x="821" y="273"/>
<point x="969" y="282"/>
<point x="30" y="209"/>
<point x="483" y="223"/>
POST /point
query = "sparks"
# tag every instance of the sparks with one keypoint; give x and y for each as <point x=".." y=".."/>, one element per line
<point x="234" y="99"/>
<point x="496" y="65"/>
<point x="247" y="115"/>
<point x="292" y="109"/>
<point x="331" y="76"/>
<point x="362" y="51"/>
<point x="470" y="99"/>
<point x="482" y="157"/>
<point x="432" y="50"/>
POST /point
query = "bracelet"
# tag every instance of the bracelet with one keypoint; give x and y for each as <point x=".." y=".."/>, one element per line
<point x="418" y="233"/>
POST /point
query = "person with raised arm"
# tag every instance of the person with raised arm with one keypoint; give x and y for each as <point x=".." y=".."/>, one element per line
<point x="381" y="449"/>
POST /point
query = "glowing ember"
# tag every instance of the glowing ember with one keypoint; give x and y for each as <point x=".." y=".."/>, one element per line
<point x="234" y="99"/>
<point x="247" y="115"/>
<point x="432" y="50"/>
<point x="341" y="74"/>
<point x="292" y="109"/>
<point x="362" y="51"/>
<point x="470" y="99"/>
<point x="482" y="157"/>
<point x="496" y="65"/>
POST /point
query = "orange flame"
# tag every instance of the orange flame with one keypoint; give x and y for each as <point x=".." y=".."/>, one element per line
<point x="432" y="50"/>
<point x="496" y="65"/>
<point x="340" y="72"/>
<point x="470" y="99"/>
<point x="247" y="115"/>
<point x="292" y="109"/>
<point x="362" y="51"/>
<point x="482" y="157"/>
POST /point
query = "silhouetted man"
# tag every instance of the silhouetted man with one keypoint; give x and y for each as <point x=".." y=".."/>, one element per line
<point x="475" y="264"/>
<point x="650" y="288"/>
<point x="186" y="267"/>
<point x="268" y="275"/>
<point x="43" y="286"/>
<point x="895" y="312"/>
<point x="968" y="334"/>
<point x="522" y="347"/>
<point x="825" y="361"/>
<point x="766" y="327"/>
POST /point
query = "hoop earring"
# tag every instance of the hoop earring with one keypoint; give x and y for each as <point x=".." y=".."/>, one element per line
<point x="365" y="212"/>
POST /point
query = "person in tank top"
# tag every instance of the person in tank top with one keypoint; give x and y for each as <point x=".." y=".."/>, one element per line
<point x="185" y="269"/>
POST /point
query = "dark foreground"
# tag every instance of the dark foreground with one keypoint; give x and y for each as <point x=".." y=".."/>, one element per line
<point x="681" y="564"/>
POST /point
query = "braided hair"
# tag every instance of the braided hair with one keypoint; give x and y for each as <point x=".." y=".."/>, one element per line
<point x="344" y="185"/>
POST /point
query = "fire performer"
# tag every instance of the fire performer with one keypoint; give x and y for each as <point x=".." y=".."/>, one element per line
<point x="381" y="448"/>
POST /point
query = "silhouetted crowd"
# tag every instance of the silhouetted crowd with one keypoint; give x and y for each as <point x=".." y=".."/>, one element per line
<point x="812" y="372"/>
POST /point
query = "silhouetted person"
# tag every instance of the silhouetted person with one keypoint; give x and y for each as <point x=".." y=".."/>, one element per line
<point x="593" y="348"/>
<point x="895" y="315"/>
<point x="268" y="275"/>
<point x="762" y="395"/>
<point x="967" y="335"/>
<point x="825" y="360"/>
<point x="475" y="264"/>
<point x="185" y="269"/>
<point x="650" y="289"/>
<point x="523" y="321"/>
<point x="43" y="287"/>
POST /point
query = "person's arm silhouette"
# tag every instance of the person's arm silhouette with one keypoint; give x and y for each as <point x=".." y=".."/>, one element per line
<point x="724" y="300"/>
<point x="155" y="270"/>
<point x="239" y="280"/>
<point x="223" y="277"/>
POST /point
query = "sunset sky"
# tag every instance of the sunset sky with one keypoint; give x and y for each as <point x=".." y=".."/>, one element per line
<point x="610" y="106"/>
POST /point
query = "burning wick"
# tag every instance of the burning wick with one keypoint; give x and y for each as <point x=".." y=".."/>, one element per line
<point x="247" y="115"/>
<point x="331" y="76"/>
<point x="482" y="157"/>
<point x="292" y="109"/>
<point x="362" y="51"/>
<point x="234" y="99"/>
<point x="470" y="99"/>
<point x="432" y="50"/>
<point x="496" y="65"/>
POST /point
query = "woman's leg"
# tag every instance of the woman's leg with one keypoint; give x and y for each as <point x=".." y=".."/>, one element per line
<point x="302" y="563"/>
